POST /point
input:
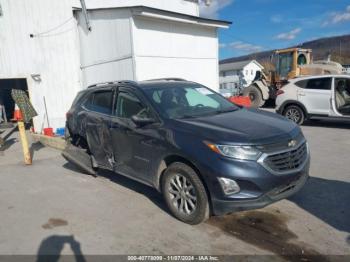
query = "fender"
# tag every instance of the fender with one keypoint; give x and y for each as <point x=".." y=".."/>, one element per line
<point x="292" y="102"/>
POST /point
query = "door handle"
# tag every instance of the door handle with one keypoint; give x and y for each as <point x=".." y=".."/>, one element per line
<point x="301" y="94"/>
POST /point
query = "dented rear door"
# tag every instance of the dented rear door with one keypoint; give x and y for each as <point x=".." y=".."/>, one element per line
<point x="99" y="109"/>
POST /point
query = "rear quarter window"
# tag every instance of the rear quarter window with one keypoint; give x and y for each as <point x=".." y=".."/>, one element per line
<point x="301" y="84"/>
<point x="78" y="98"/>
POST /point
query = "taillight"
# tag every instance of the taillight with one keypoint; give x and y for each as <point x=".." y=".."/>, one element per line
<point x="68" y="114"/>
<point x="279" y="92"/>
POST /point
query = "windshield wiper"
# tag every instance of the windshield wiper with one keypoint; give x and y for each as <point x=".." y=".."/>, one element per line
<point x="217" y="112"/>
<point x="188" y="116"/>
<point x="227" y="110"/>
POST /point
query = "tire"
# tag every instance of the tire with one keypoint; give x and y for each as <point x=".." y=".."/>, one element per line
<point x="195" y="207"/>
<point x="295" y="113"/>
<point x="255" y="96"/>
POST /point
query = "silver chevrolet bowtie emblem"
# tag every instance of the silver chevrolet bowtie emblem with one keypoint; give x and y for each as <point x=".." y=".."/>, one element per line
<point x="292" y="143"/>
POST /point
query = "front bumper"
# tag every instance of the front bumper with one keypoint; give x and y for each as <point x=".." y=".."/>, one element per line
<point x="259" y="187"/>
<point x="222" y="207"/>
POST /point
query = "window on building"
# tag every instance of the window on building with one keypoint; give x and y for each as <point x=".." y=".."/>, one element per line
<point x="246" y="72"/>
<point x="252" y="72"/>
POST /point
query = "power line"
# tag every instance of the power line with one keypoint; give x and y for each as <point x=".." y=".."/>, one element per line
<point x="53" y="29"/>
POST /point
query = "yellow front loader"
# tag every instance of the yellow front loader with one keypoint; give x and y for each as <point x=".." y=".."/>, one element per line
<point x="289" y="63"/>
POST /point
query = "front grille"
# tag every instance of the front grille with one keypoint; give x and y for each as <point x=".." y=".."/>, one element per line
<point x="287" y="161"/>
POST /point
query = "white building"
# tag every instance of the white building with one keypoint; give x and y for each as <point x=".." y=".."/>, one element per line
<point x="346" y="69"/>
<point x="238" y="74"/>
<point x="47" y="49"/>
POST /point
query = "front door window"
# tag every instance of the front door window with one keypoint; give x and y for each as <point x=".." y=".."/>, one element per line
<point x="129" y="105"/>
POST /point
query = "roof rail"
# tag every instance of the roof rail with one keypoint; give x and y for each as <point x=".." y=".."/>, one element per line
<point x="114" y="82"/>
<point x="127" y="82"/>
<point x="101" y="84"/>
<point x="167" y="79"/>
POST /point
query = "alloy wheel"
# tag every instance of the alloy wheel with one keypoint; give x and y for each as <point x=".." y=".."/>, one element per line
<point x="293" y="114"/>
<point x="182" y="194"/>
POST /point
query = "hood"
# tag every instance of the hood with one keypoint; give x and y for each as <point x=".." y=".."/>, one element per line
<point x="244" y="126"/>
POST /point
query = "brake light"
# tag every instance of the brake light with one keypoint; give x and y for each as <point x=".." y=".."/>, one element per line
<point x="279" y="92"/>
<point x="68" y="114"/>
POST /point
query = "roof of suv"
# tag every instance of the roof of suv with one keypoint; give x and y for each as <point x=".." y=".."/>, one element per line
<point x="317" y="76"/>
<point x="153" y="83"/>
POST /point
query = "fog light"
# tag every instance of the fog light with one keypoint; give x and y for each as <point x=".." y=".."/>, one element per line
<point x="229" y="186"/>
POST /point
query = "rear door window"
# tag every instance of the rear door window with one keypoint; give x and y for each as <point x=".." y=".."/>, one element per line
<point x="100" y="102"/>
<point x="319" y="84"/>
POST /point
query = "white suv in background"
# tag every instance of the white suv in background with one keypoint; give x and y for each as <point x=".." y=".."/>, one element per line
<point x="315" y="96"/>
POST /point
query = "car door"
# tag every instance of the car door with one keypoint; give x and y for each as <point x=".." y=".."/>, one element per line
<point x="315" y="95"/>
<point x="133" y="146"/>
<point x="341" y="97"/>
<point x="98" y="109"/>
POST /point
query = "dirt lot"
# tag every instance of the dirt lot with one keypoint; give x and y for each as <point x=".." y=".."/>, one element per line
<point x="52" y="208"/>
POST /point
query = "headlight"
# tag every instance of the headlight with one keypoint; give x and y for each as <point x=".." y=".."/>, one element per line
<point x="237" y="152"/>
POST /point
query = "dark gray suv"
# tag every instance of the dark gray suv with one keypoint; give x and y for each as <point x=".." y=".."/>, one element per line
<point x="203" y="153"/>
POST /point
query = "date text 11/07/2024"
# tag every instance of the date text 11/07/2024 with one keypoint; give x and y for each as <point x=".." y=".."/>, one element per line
<point x="173" y="258"/>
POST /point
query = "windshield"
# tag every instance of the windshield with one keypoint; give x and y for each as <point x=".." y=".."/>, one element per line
<point x="188" y="101"/>
<point x="285" y="63"/>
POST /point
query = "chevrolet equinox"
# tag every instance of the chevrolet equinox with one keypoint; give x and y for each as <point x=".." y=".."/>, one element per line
<point x="206" y="155"/>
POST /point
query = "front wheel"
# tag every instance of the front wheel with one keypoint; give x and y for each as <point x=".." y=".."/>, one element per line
<point x="294" y="113"/>
<point x="255" y="96"/>
<point x="184" y="194"/>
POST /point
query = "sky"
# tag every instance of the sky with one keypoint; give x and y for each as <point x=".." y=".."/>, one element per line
<point x="259" y="25"/>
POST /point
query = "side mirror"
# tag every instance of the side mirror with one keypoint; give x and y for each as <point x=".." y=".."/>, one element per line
<point x="141" y="121"/>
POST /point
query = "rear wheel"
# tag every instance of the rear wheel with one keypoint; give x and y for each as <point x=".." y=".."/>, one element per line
<point x="295" y="113"/>
<point x="255" y="96"/>
<point x="184" y="194"/>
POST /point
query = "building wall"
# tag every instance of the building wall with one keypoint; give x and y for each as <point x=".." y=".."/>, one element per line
<point x="173" y="49"/>
<point x="346" y="70"/>
<point x="181" y="6"/>
<point x="123" y="47"/>
<point x="230" y="79"/>
<point x="52" y="52"/>
<point x="106" y="51"/>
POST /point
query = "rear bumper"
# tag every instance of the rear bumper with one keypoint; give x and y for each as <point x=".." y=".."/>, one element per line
<point x="222" y="207"/>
